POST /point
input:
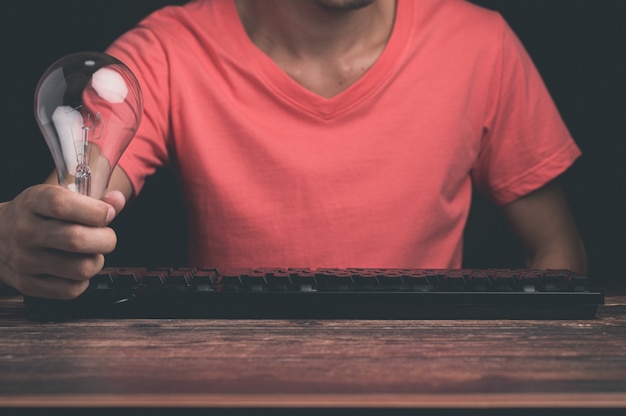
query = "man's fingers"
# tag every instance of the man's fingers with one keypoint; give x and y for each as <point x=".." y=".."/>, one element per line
<point x="62" y="204"/>
<point x="75" y="238"/>
<point x="51" y="287"/>
<point x="68" y="266"/>
<point x="116" y="199"/>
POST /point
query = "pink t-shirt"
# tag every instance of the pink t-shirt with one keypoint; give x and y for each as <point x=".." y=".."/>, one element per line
<point x="378" y="176"/>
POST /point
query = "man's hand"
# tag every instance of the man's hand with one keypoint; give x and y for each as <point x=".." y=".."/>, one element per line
<point x="52" y="240"/>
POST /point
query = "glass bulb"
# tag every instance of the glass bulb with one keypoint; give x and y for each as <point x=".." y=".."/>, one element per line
<point x="88" y="106"/>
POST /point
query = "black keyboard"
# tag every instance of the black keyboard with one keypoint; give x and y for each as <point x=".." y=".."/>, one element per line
<point x="348" y="293"/>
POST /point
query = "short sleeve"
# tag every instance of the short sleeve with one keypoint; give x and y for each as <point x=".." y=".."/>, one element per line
<point x="525" y="142"/>
<point x="142" y="52"/>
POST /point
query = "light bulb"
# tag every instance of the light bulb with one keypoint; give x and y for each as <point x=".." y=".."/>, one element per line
<point x="88" y="106"/>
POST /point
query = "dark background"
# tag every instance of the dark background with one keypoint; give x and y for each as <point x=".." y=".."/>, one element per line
<point x="578" y="45"/>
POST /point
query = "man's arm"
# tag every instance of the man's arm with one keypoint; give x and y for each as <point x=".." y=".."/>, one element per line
<point x="545" y="225"/>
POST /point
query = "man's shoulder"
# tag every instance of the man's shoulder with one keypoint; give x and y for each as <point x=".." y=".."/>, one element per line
<point x="176" y="16"/>
<point x="456" y="20"/>
<point x="457" y="11"/>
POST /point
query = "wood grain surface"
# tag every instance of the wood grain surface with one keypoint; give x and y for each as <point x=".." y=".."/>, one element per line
<point x="334" y="363"/>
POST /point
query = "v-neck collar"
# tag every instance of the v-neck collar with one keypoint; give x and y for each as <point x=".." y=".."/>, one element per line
<point x="299" y="96"/>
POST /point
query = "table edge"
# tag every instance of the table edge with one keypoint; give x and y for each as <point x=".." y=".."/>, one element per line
<point x="453" y="401"/>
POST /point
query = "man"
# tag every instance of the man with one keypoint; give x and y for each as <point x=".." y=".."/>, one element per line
<point x="319" y="133"/>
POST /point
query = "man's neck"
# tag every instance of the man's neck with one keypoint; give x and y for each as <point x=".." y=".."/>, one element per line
<point x="323" y="49"/>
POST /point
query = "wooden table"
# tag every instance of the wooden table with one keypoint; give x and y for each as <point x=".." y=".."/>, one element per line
<point x="261" y="365"/>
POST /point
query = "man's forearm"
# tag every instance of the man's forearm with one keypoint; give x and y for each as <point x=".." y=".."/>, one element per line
<point x="546" y="228"/>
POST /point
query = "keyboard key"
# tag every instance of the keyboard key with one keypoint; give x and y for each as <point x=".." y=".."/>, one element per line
<point x="179" y="279"/>
<point x="230" y="282"/>
<point x="529" y="280"/>
<point x="254" y="280"/>
<point x="556" y="280"/>
<point x="204" y="279"/>
<point x="365" y="280"/>
<point x="504" y="281"/>
<point x="128" y="277"/>
<point x="420" y="281"/>
<point x="279" y="280"/>
<point x="334" y="279"/>
<point x="454" y="281"/>
<point x="103" y="280"/>
<point x="479" y="281"/>
<point x="303" y="280"/>
<point x="154" y="279"/>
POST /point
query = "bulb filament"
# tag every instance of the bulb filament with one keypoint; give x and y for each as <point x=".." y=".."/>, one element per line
<point x="83" y="171"/>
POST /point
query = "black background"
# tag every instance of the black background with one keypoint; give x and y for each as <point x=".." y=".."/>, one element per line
<point x="578" y="45"/>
